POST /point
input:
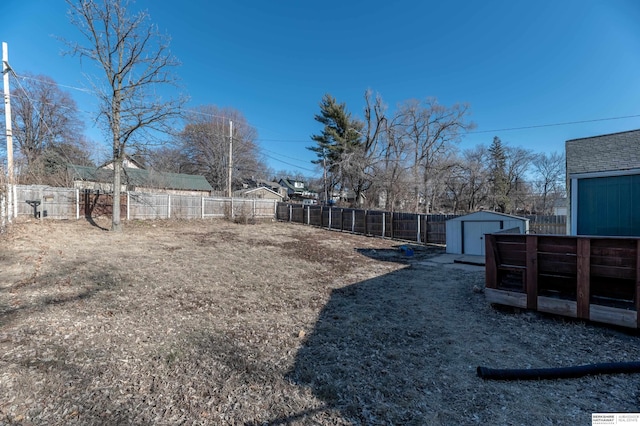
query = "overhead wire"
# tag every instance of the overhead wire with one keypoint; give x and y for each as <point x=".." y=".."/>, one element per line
<point x="504" y="129"/>
<point x="41" y="118"/>
<point x="204" y="113"/>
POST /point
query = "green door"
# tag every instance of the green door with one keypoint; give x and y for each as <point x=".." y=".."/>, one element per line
<point x="609" y="206"/>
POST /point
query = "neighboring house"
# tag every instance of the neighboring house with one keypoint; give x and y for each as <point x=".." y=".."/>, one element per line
<point x="560" y="207"/>
<point x="603" y="181"/>
<point x="127" y="162"/>
<point x="260" y="192"/>
<point x="260" y="183"/>
<point x="139" y="180"/>
<point x="297" y="190"/>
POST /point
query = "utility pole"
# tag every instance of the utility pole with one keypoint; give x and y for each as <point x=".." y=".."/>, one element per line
<point x="229" y="193"/>
<point x="7" y="116"/>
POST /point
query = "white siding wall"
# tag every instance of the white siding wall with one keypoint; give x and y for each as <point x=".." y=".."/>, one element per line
<point x="454" y="227"/>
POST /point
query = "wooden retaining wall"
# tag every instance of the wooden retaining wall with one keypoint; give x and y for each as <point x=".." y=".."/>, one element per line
<point x="591" y="278"/>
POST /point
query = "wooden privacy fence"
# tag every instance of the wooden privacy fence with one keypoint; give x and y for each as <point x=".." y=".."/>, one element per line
<point x="554" y="225"/>
<point x="591" y="278"/>
<point x="420" y="228"/>
<point x="54" y="203"/>
<point x="69" y="203"/>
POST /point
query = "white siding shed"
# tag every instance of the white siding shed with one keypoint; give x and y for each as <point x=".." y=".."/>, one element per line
<point x="465" y="234"/>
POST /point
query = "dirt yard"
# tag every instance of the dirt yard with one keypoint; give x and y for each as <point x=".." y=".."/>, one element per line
<point x="210" y="322"/>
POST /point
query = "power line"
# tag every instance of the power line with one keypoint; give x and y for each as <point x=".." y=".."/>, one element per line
<point x="81" y="89"/>
<point x="42" y="119"/>
<point x="506" y="129"/>
<point x="288" y="164"/>
<point x="566" y="123"/>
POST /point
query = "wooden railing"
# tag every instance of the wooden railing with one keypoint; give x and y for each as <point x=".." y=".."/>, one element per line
<point x="591" y="278"/>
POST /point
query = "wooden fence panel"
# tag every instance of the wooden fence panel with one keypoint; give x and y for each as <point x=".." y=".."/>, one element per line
<point x="96" y="204"/>
<point x="186" y="207"/>
<point x="375" y="224"/>
<point x="148" y="206"/>
<point x="549" y="225"/>
<point x="436" y="228"/>
<point x="216" y="207"/>
<point x="54" y="203"/>
<point x="264" y="208"/>
<point x="243" y="208"/>
<point x="405" y="226"/>
<point x="361" y="222"/>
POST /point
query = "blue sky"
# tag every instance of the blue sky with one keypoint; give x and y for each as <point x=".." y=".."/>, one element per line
<point x="517" y="63"/>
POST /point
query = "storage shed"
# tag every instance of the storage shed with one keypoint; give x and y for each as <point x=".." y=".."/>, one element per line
<point x="465" y="234"/>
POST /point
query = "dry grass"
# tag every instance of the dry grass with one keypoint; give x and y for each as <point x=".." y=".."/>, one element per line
<point x="219" y="323"/>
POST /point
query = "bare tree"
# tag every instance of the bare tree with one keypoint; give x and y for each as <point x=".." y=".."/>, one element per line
<point x="549" y="172"/>
<point x="136" y="63"/>
<point x="391" y="169"/>
<point x="167" y="158"/>
<point x="47" y="130"/>
<point x="204" y="142"/>
<point x="359" y="159"/>
<point x="476" y="173"/>
<point x="430" y="131"/>
<point x="517" y="165"/>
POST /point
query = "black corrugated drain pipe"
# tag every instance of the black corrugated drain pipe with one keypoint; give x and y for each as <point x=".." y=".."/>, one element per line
<point x="558" y="373"/>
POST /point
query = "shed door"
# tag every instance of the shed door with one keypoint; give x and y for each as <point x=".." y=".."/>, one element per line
<point x="473" y="236"/>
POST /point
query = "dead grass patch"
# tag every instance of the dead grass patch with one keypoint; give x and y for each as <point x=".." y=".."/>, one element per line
<point x="211" y="322"/>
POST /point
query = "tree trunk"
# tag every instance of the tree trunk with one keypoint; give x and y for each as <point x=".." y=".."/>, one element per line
<point x="116" y="224"/>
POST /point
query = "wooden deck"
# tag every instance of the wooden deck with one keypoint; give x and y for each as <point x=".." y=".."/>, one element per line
<point x="591" y="278"/>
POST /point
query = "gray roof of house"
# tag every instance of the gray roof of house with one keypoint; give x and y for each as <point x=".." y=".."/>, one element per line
<point x="289" y="183"/>
<point x="144" y="178"/>
<point x="612" y="152"/>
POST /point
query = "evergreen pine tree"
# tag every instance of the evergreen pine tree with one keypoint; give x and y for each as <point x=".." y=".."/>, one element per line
<point x="498" y="176"/>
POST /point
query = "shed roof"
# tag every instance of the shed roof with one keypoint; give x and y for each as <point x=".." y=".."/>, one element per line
<point x="144" y="178"/>
<point x="488" y="215"/>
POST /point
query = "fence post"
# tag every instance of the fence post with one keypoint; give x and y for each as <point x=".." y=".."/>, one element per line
<point x="168" y="206"/>
<point x="366" y="219"/>
<point x="128" y="206"/>
<point x="290" y="212"/>
<point x="330" y="209"/>
<point x="77" y="204"/>
<point x="308" y="215"/>
<point x="384" y="224"/>
<point x="583" y="291"/>
<point x="531" y="277"/>
<point x="202" y="207"/>
<point x="353" y="221"/>
<point x="2" y="211"/>
<point x="418" y="233"/>
<point x="426" y="228"/>
<point x="15" y="200"/>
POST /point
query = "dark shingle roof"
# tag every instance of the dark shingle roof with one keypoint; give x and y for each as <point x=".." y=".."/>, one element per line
<point x="615" y="151"/>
